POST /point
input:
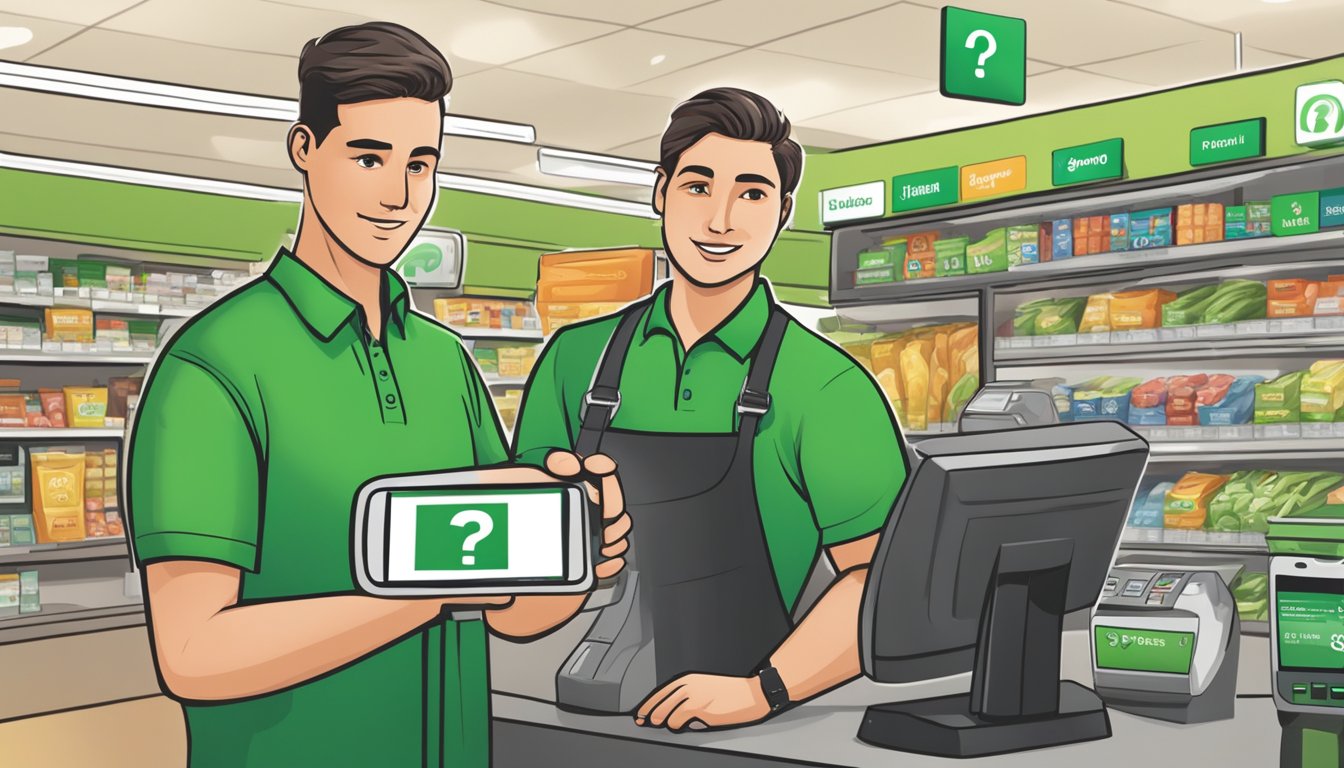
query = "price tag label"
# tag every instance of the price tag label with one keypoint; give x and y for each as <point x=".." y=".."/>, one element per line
<point x="1094" y="338"/>
<point x="1253" y="327"/>
<point x="1003" y="343"/>
<point x="1179" y="333"/>
<point x="1145" y="336"/>
<point x="1335" y="323"/>
<point x="1315" y="431"/>
<point x="1021" y="342"/>
<point x="1221" y="330"/>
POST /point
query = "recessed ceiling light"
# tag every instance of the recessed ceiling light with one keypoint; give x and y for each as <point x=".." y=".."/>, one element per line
<point x="656" y="60"/>
<point x="13" y="37"/>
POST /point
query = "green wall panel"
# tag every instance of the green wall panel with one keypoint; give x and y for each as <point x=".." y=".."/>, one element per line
<point x="1155" y="127"/>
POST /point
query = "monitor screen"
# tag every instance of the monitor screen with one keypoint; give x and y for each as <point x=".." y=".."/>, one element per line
<point x="455" y="535"/>
<point x="1144" y="650"/>
<point x="1310" y="620"/>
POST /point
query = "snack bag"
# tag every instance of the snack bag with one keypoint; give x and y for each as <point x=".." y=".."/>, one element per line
<point x="1187" y="504"/>
<point x="914" y="369"/>
<point x="1134" y="310"/>
<point x="1097" y="314"/>
<point x="58" y="496"/>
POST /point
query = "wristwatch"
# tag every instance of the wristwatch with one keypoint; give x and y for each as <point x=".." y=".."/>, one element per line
<point x="776" y="695"/>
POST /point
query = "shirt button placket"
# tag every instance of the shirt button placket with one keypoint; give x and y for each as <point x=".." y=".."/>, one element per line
<point x="386" y="386"/>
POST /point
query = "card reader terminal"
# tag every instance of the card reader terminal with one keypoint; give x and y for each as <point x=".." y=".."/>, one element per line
<point x="1165" y="644"/>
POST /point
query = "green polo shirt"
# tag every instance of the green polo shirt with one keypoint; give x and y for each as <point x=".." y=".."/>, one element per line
<point x="258" y="424"/>
<point x="828" y="459"/>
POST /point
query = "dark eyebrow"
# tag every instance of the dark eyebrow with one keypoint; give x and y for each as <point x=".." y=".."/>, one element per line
<point x="700" y="169"/>
<point x="418" y="151"/>
<point x="369" y="144"/>
<point x="754" y="178"/>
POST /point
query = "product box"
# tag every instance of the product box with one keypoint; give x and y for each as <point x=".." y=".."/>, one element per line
<point x="4" y="520"/>
<point x="1045" y="248"/>
<point x="1329" y="299"/>
<point x="1147" y="417"/>
<point x="487" y="358"/>
<point x="1022" y="239"/>
<point x="30" y="599"/>
<point x="10" y="591"/>
<point x="920" y="258"/>
<point x="1199" y="223"/>
<point x="1332" y="208"/>
<point x="1150" y="229"/>
<point x="1228" y="407"/>
<point x="616" y="275"/>
<point x="1259" y="219"/>
<point x="951" y="256"/>
<point x="989" y="254"/>
<point x="1119" y="231"/>
<point x="1137" y="310"/>
<point x="1279" y="401"/>
<point x="1098" y="234"/>
<point x="1322" y="392"/>
<point x="882" y="257"/>
<point x="1291" y="298"/>
<point x="1147" y="509"/>
<point x="1234" y="222"/>
<point x="1061" y="236"/>
<point x="1081" y="228"/>
<point x="1187" y="504"/>
<point x="21" y="531"/>
<point x="69" y="325"/>
<point x="876" y="276"/>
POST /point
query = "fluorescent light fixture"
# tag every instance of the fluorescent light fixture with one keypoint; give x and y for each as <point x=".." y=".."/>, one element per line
<point x="584" y="165"/>
<point x="546" y="195"/>
<point x="148" y="178"/>
<point x="13" y="37"/>
<point x="126" y="90"/>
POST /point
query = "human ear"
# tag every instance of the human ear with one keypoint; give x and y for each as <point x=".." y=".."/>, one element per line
<point x="301" y="143"/>
<point x="660" y="191"/>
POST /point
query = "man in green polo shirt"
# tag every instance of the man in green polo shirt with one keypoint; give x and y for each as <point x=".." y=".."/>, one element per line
<point x="737" y="476"/>
<point x="267" y="412"/>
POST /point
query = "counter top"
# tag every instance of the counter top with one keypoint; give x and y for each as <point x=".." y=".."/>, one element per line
<point x="532" y="731"/>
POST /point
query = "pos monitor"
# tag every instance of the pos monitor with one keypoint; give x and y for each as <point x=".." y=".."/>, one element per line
<point x="996" y="536"/>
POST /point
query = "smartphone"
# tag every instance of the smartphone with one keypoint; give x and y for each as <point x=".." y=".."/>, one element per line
<point x="447" y="534"/>
<point x="1307" y="633"/>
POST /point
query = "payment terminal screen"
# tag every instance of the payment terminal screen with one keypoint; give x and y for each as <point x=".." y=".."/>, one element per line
<point x="446" y="535"/>
<point x="1144" y="650"/>
<point x="1310" y="618"/>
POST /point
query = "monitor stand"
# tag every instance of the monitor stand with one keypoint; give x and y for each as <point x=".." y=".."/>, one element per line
<point x="1017" y="701"/>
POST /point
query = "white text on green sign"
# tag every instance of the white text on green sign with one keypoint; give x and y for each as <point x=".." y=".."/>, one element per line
<point x="925" y="189"/>
<point x="1088" y="162"/>
<point x="1227" y="141"/>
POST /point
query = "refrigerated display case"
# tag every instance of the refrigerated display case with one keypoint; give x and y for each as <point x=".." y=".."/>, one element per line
<point x="1254" y="307"/>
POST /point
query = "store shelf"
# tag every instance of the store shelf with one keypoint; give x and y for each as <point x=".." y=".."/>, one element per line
<point x="22" y="433"/>
<point x="1156" y="346"/>
<point x="107" y="548"/>
<point x="506" y="381"/>
<point x="1246" y="450"/>
<point x="1211" y="542"/>
<point x="90" y="358"/>
<point x="61" y="619"/>
<point x="100" y="305"/>
<point x="497" y="333"/>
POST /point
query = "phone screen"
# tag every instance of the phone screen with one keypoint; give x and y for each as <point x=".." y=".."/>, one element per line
<point x="1309" y="615"/>
<point x="459" y="535"/>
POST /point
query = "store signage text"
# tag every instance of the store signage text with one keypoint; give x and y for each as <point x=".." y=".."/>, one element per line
<point x="1088" y="162"/>
<point x="1332" y="208"/>
<point x="1295" y="214"/>
<point x="924" y="189"/>
<point x="1319" y="117"/>
<point x="1227" y="141"/>
<point x="861" y="201"/>
<point x="996" y="177"/>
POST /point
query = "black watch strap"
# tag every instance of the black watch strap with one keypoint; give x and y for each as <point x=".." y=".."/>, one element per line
<point x="776" y="695"/>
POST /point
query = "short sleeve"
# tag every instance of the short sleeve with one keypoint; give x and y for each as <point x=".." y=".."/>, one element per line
<point x="851" y="458"/>
<point x="194" y="471"/>
<point x="487" y="433"/>
<point x="543" y="420"/>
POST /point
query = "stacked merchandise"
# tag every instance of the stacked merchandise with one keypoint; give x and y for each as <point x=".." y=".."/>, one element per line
<point x="508" y="405"/>
<point x="486" y="313"/>
<point x="78" y="330"/>
<point x="89" y="277"/>
<point x="509" y="362"/>
<point x="1222" y="508"/>
<point x="79" y="407"/>
<point x="74" y="497"/>
<point x="577" y="285"/>
<point x="19" y="594"/>
<point x="1306" y="403"/>
<point x="1251" y="591"/>
<point x="928" y="373"/>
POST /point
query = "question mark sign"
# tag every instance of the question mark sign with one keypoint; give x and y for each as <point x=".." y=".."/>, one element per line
<point x="993" y="46"/>
<point x="484" y="525"/>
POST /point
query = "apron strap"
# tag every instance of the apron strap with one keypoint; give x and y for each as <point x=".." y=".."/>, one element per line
<point x="754" y="402"/>
<point x="602" y="400"/>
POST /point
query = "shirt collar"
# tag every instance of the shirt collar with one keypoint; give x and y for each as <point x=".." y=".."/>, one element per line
<point x="322" y="307"/>
<point x="739" y="334"/>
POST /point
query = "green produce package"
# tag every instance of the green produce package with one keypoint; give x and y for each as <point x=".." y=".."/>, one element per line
<point x="1251" y="591"/>
<point x="1061" y="316"/>
<point x="1230" y="509"/>
<point x="1322" y="393"/>
<point x="951" y="256"/>
<point x="1024" y="319"/>
<point x="874" y="259"/>
<point x="1023" y="239"/>
<point x="1236" y="300"/>
<point x="1188" y="307"/>
<point x="1290" y="494"/>
<point x="988" y="255"/>
<point x="960" y="394"/>
<point x="1279" y="401"/>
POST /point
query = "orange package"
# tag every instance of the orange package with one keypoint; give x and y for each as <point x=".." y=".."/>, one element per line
<point x="920" y="259"/>
<point x="1199" y="223"/>
<point x="614" y="275"/>
<point x="1187" y="504"/>
<point x="1291" y="298"/>
<point x="1098" y="234"/>
<point x="1135" y="310"/>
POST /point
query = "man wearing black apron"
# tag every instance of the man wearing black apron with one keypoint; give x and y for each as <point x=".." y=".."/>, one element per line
<point x="746" y="444"/>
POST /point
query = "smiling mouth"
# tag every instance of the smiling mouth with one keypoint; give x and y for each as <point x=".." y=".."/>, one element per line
<point x="719" y="250"/>
<point x="384" y="224"/>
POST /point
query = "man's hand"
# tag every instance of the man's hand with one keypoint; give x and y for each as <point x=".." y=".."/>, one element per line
<point x="607" y="494"/>
<point x="713" y="701"/>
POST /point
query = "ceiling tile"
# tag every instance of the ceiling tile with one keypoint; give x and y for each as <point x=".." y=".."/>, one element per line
<point x="241" y="25"/>
<point x="642" y="149"/>
<point x="152" y="58"/>
<point x="82" y="12"/>
<point x="751" y="22"/>
<point x="46" y="33"/>
<point x="566" y="114"/>
<point x="1187" y="63"/>
<point x="822" y="139"/>
<point x="1254" y="58"/>
<point x="622" y="59"/>
<point x="799" y="87"/>
<point x="1082" y="31"/>
<point x="473" y="29"/>
<point x="616" y="11"/>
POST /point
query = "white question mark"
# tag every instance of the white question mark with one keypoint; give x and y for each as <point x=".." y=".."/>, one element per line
<point x="993" y="46"/>
<point x="484" y="526"/>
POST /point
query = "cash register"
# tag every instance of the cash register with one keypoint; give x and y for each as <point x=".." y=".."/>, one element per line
<point x="1165" y="644"/>
<point x="1008" y="405"/>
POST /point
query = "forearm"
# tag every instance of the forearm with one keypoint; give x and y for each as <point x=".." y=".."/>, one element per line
<point x="823" y="650"/>
<point x="529" y="617"/>
<point x="265" y="647"/>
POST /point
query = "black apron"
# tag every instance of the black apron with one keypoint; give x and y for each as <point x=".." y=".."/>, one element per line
<point x="707" y="590"/>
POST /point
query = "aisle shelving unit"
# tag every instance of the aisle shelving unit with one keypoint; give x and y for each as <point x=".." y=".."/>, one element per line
<point x="1262" y="346"/>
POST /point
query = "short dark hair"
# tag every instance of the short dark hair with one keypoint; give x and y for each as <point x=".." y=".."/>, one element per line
<point x="364" y="62"/>
<point x="736" y="114"/>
